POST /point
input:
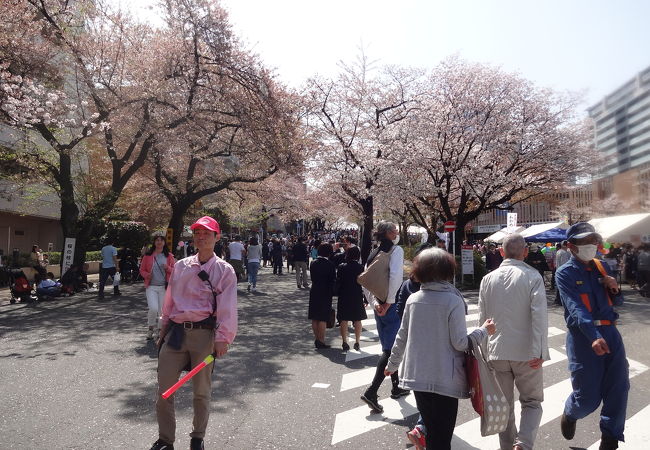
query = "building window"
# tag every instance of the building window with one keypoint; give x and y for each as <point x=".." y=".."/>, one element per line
<point x="19" y="232"/>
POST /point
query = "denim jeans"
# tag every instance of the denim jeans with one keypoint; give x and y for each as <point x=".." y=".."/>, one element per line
<point x="253" y="267"/>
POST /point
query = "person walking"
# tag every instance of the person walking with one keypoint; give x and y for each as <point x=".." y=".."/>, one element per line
<point x="199" y="318"/>
<point x="349" y="307"/>
<point x="630" y="261"/>
<point x="276" y="256"/>
<point x="595" y="350"/>
<point x="109" y="268"/>
<point x="236" y="253"/>
<point x="643" y="270"/>
<point x="300" y="260"/>
<point x="561" y="257"/>
<point x="431" y="344"/>
<point x="254" y="254"/>
<point x="493" y="258"/>
<point x="513" y="295"/>
<point x="155" y="269"/>
<point x="386" y="317"/>
<point x="323" y="277"/>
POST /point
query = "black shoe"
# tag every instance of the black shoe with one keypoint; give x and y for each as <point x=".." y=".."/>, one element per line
<point x="320" y="344"/>
<point x="356" y="346"/>
<point x="372" y="401"/>
<point x="568" y="427"/>
<point x="196" y="444"/>
<point x="398" y="392"/>
<point x="161" y="445"/>
<point x="299" y="287"/>
<point x="608" y="443"/>
<point x="117" y="294"/>
<point x="345" y="347"/>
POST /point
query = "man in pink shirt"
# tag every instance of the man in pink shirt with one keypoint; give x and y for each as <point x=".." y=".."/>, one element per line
<point x="199" y="317"/>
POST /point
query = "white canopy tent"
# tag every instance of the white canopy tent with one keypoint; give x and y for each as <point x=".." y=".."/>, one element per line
<point x="632" y="228"/>
<point x="500" y="235"/>
<point x="534" y="230"/>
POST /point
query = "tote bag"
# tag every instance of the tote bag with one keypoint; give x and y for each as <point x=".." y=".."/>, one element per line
<point x="375" y="277"/>
<point x="486" y="394"/>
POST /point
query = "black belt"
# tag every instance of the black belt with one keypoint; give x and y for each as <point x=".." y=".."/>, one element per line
<point x="197" y="325"/>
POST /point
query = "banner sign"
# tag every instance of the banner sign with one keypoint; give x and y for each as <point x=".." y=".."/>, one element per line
<point x="68" y="254"/>
<point x="169" y="239"/>
<point x="512" y="220"/>
<point x="467" y="259"/>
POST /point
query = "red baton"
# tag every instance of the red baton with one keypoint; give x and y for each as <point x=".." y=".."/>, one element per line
<point x="208" y="359"/>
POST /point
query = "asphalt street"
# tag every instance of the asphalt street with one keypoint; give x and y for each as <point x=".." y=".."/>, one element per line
<point x="77" y="373"/>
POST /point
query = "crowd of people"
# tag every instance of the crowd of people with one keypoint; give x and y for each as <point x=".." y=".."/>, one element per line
<point x="420" y="320"/>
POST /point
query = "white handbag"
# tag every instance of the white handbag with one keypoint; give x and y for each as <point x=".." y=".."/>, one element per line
<point x="495" y="407"/>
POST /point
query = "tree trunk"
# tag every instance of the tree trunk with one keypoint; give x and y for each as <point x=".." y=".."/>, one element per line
<point x="368" y="218"/>
<point x="176" y="221"/>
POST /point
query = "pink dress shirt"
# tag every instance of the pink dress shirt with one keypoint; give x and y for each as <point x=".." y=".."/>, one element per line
<point x="188" y="298"/>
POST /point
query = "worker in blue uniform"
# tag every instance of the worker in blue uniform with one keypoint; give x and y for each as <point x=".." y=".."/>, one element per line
<point x="599" y="369"/>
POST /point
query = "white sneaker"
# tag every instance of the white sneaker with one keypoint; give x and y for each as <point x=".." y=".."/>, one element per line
<point x="254" y="290"/>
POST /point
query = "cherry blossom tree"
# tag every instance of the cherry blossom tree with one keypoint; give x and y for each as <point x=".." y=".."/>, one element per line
<point x="353" y="118"/>
<point x="484" y="138"/>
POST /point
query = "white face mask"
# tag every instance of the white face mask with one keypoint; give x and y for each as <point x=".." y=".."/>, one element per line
<point x="587" y="252"/>
<point x="396" y="240"/>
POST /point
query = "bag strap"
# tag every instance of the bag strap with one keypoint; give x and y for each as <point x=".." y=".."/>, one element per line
<point x="603" y="272"/>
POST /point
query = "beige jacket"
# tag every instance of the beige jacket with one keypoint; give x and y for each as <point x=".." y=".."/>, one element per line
<point x="514" y="296"/>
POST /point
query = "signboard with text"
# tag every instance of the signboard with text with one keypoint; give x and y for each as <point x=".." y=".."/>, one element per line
<point x="512" y="220"/>
<point x="170" y="239"/>
<point x="467" y="259"/>
<point x="68" y="254"/>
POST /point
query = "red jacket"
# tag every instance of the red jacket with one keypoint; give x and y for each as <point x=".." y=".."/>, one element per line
<point x="146" y="266"/>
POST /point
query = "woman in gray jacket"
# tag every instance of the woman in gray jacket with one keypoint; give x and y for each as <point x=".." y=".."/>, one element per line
<point x="430" y="345"/>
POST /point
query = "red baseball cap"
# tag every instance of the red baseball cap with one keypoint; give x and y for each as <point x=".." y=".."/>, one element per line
<point x="208" y="223"/>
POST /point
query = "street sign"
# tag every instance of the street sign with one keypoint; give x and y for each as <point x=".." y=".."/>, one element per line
<point x="467" y="259"/>
<point x="68" y="254"/>
<point x="450" y="226"/>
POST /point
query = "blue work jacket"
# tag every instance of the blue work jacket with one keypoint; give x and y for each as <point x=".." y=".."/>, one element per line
<point x="584" y="297"/>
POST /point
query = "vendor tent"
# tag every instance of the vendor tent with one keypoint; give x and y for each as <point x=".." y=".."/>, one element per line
<point x="552" y="235"/>
<point x="534" y="230"/>
<point x="632" y="228"/>
<point x="500" y="235"/>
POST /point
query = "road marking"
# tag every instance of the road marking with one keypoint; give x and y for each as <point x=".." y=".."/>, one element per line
<point x="320" y="385"/>
<point x="354" y="422"/>
<point x="637" y="433"/>
<point x="468" y="435"/>
<point x="365" y="352"/>
<point x="357" y="378"/>
<point x="364" y="376"/>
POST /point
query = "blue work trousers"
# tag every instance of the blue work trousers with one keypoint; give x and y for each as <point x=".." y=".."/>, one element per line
<point x="598" y="378"/>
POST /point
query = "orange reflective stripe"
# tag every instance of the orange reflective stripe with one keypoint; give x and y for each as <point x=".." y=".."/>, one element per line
<point x="604" y="273"/>
<point x="585" y="300"/>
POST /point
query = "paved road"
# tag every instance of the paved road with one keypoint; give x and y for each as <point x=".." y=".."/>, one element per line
<point x="77" y="373"/>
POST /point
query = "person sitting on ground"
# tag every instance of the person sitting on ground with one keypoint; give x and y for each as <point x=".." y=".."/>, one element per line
<point x="48" y="287"/>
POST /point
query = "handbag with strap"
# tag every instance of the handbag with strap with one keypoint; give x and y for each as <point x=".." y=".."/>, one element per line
<point x="375" y="277"/>
<point x="486" y="394"/>
<point x="331" y="320"/>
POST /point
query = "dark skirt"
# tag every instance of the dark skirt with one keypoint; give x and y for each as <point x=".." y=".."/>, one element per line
<point x="319" y="307"/>
<point x="350" y="307"/>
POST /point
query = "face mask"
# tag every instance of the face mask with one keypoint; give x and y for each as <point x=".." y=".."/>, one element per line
<point x="587" y="252"/>
<point x="396" y="240"/>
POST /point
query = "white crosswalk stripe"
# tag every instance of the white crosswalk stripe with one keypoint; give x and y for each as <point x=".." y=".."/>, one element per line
<point x="637" y="432"/>
<point x="359" y="420"/>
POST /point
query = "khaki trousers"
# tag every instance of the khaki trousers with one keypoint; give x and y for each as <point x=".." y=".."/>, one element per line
<point x="301" y="273"/>
<point x="530" y="384"/>
<point x="197" y="344"/>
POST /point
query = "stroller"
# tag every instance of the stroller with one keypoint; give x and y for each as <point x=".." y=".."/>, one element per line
<point x="20" y="288"/>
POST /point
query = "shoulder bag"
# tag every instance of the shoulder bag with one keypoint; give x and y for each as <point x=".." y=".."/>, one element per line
<point x="375" y="277"/>
<point x="486" y="394"/>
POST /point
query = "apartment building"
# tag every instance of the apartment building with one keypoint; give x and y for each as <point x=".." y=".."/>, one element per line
<point x="622" y="136"/>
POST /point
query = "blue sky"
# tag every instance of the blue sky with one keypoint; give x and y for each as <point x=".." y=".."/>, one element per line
<point x="593" y="46"/>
